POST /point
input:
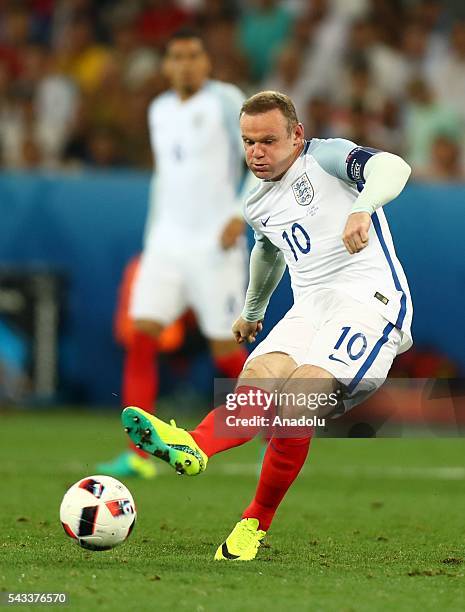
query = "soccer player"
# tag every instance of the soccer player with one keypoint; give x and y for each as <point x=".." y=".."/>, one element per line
<point x="194" y="254"/>
<point x="318" y="210"/>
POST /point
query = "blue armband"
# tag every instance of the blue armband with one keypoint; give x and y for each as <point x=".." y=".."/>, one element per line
<point x="356" y="161"/>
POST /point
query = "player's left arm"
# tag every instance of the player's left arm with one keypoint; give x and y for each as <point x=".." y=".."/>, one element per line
<point x="378" y="175"/>
<point x="383" y="176"/>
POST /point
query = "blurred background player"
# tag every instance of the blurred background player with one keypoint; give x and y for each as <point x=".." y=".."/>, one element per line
<point x="194" y="254"/>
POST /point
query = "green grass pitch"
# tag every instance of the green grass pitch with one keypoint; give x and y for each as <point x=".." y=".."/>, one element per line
<point x="369" y="525"/>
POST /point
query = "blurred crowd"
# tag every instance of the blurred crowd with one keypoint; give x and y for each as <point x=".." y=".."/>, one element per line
<point x="76" y="76"/>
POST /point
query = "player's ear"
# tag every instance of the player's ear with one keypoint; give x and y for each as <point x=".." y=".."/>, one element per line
<point x="299" y="134"/>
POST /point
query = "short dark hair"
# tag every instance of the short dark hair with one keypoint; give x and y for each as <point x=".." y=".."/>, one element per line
<point x="184" y="34"/>
<point x="265" y="101"/>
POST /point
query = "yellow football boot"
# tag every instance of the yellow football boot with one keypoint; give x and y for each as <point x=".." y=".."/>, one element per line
<point x="170" y="443"/>
<point x="242" y="543"/>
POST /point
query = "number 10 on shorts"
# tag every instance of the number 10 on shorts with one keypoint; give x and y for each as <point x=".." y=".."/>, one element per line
<point x="356" y="344"/>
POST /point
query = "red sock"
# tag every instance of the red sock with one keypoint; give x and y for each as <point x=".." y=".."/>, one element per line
<point x="140" y="375"/>
<point x="210" y="434"/>
<point x="231" y="364"/>
<point x="283" y="461"/>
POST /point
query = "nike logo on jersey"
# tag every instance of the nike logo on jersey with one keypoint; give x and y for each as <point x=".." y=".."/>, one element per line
<point x="265" y="221"/>
<point x="333" y="358"/>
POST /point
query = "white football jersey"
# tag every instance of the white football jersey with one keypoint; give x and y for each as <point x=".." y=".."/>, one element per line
<point x="199" y="158"/>
<point x="304" y="215"/>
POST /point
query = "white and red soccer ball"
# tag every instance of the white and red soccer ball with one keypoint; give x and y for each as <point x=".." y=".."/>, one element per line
<point x="98" y="512"/>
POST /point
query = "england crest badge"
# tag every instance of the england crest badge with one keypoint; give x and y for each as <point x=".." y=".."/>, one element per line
<point x="303" y="190"/>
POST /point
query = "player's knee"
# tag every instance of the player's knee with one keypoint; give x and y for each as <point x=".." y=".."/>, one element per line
<point x="146" y="326"/>
<point x="254" y="369"/>
<point x="272" y="367"/>
<point x="314" y="373"/>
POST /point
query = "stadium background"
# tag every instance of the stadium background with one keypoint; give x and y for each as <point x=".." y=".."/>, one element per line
<point x="76" y="77"/>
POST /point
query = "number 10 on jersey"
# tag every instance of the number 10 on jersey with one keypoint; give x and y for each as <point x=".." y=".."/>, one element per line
<point x="298" y="239"/>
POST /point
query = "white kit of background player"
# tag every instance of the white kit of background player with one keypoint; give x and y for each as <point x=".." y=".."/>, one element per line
<point x="199" y="160"/>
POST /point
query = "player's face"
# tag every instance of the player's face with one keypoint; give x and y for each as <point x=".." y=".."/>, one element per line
<point x="186" y="65"/>
<point x="270" y="149"/>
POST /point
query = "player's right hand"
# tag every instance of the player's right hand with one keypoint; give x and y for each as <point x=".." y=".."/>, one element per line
<point x="355" y="236"/>
<point x="245" y="331"/>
